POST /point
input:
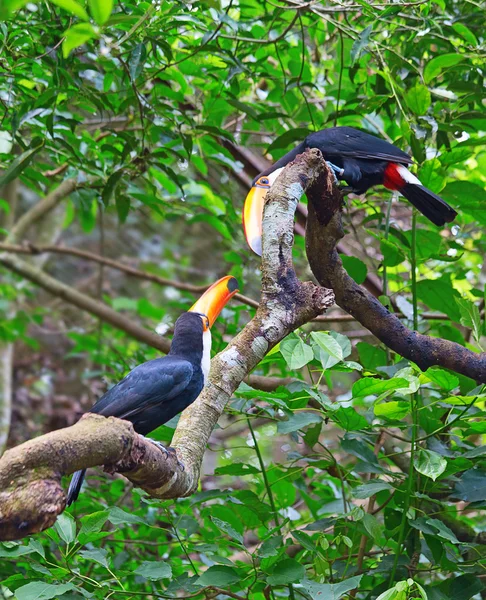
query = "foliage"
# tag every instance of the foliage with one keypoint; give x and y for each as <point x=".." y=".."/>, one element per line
<point x="363" y="477"/>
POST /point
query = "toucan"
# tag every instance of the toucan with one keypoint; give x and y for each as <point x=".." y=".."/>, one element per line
<point x="157" y="390"/>
<point x="360" y="159"/>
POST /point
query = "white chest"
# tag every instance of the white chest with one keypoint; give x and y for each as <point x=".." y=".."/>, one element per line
<point x="206" y="357"/>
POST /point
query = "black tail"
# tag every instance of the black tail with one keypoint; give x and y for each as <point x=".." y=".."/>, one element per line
<point x="75" y="486"/>
<point x="429" y="204"/>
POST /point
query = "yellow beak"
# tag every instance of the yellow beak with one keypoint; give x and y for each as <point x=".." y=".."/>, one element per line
<point x="212" y="302"/>
<point x="253" y="217"/>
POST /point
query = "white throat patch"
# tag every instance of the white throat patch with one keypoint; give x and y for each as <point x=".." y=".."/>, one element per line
<point x="273" y="176"/>
<point x="206" y="357"/>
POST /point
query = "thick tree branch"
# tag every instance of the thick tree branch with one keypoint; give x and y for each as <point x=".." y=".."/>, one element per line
<point x="324" y="229"/>
<point x="30" y="474"/>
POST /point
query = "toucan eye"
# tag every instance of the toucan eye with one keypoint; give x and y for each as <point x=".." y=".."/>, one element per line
<point x="264" y="181"/>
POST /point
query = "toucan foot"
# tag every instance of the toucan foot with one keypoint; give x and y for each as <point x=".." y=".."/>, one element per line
<point x="159" y="445"/>
<point x="336" y="171"/>
<point x="348" y="189"/>
<point x="173" y="453"/>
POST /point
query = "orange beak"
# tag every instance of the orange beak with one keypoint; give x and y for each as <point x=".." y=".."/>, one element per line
<point x="212" y="302"/>
<point x="253" y="217"/>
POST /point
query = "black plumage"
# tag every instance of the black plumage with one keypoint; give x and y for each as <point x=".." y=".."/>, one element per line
<point x="157" y="390"/>
<point x="363" y="161"/>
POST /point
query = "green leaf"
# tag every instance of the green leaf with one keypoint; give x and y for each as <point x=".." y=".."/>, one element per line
<point x="472" y="486"/>
<point x="438" y="294"/>
<point x="392" y="255"/>
<point x="285" y="572"/>
<point x="122" y="203"/>
<point x="100" y="10"/>
<point x="297" y="421"/>
<point x="271" y="547"/>
<point x="392" y="410"/>
<point x="296" y="352"/>
<point x="330" y="346"/>
<point x="442" y="378"/>
<point x="331" y="591"/>
<point x="21" y="162"/>
<point x="370" y="488"/>
<point x="467" y="196"/>
<point x="429" y="463"/>
<point x="38" y="590"/>
<point x="72" y="7"/>
<point x="236" y="469"/>
<point x="65" y="527"/>
<point x="137" y="61"/>
<point x="76" y="36"/>
<point x="227" y="528"/>
<point x="443" y="531"/>
<point x="470" y="317"/>
<point x="110" y="186"/>
<point x="219" y="576"/>
<point x="349" y="419"/>
<point x="418" y="99"/>
<point x="371" y="356"/>
<point x="121" y="517"/>
<point x="98" y="555"/>
<point x="293" y="135"/>
<point x="368" y="386"/>
<point x="372" y="526"/>
<point x="465" y="33"/>
<point x="93" y="522"/>
<point x="439" y="63"/>
<point x="360" y="44"/>
<point x="355" y="268"/>
<point x="154" y="570"/>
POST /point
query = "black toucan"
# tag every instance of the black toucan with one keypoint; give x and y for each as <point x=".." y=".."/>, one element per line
<point x="159" y="389"/>
<point x="362" y="160"/>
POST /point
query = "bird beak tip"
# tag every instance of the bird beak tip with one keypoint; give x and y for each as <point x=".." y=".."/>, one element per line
<point x="215" y="298"/>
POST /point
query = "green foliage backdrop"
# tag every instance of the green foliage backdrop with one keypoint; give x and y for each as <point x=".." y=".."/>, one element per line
<point x="363" y="477"/>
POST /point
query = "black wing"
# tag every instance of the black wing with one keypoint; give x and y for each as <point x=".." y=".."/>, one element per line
<point x="347" y="141"/>
<point x="152" y="383"/>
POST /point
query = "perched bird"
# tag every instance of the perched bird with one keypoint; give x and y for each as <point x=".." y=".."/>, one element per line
<point x="159" y="389"/>
<point x="362" y="160"/>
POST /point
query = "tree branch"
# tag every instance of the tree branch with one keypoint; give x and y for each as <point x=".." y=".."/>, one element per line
<point x="324" y="229"/>
<point x="30" y="475"/>
<point x="94" y="307"/>
<point x="41" y="208"/>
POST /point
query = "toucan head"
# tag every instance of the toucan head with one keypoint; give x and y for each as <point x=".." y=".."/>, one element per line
<point x="253" y="209"/>
<point x="192" y="332"/>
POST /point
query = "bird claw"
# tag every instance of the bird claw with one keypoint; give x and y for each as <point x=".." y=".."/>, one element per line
<point x="335" y="170"/>
<point x="172" y="452"/>
<point x="167" y="451"/>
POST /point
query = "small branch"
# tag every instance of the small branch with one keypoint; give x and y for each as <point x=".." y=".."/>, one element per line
<point x="29" y="248"/>
<point x="30" y="474"/>
<point x="42" y="207"/>
<point x="94" y="307"/>
<point x="34" y="249"/>
<point x="324" y="229"/>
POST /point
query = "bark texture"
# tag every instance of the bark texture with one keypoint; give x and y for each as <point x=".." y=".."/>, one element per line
<point x="30" y="475"/>
<point x="324" y="230"/>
